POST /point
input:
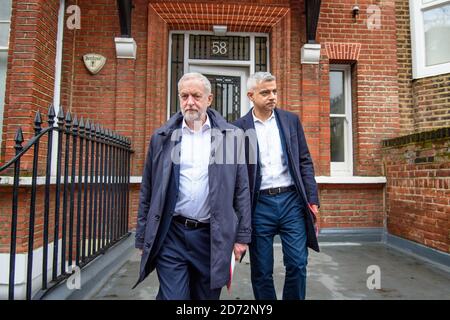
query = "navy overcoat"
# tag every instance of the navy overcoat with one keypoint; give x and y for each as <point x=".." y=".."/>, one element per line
<point x="297" y="156"/>
<point x="229" y="197"/>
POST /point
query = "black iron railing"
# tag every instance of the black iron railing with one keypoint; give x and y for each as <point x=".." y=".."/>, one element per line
<point x="90" y="198"/>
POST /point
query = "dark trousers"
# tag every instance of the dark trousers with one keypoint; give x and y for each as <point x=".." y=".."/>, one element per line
<point x="183" y="265"/>
<point x="281" y="214"/>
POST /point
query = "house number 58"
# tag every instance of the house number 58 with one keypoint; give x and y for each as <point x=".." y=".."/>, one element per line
<point x="219" y="47"/>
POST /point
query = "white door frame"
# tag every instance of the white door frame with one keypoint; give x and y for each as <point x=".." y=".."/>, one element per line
<point x="235" y="66"/>
<point x="241" y="72"/>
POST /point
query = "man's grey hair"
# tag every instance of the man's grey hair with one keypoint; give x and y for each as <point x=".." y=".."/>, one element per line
<point x="196" y="76"/>
<point x="257" y="78"/>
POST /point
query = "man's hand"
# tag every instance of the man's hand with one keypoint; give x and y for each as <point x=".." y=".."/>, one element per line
<point x="315" y="210"/>
<point x="141" y="252"/>
<point x="239" y="250"/>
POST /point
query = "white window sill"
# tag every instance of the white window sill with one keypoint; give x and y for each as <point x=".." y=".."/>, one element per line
<point x="40" y="181"/>
<point x="431" y="72"/>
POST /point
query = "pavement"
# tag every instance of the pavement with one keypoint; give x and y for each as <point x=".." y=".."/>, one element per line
<point x="340" y="271"/>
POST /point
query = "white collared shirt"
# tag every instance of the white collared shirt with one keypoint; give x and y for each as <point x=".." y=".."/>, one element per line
<point x="274" y="169"/>
<point x="194" y="183"/>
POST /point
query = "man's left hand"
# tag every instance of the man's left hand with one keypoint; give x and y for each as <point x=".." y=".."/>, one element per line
<point x="239" y="250"/>
<point x="315" y="210"/>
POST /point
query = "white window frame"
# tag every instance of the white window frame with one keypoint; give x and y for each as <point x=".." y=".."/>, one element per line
<point x="250" y="64"/>
<point x="4" y="49"/>
<point x="420" y="69"/>
<point x="345" y="168"/>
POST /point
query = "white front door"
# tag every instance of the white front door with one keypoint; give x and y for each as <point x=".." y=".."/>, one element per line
<point x="229" y="88"/>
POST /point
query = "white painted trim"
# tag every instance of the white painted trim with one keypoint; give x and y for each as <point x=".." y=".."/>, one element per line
<point x="252" y="58"/>
<point x="185" y="55"/>
<point x="57" y="82"/>
<point x="26" y="181"/>
<point x="320" y="180"/>
<point x="350" y="180"/>
<point x="420" y="70"/>
<point x="5" y="49"/>
<point x="221" y="63"/>
<point x="310" y="53"/>
<point x="20" y="278"/>
<point x="169" y="63"/>
<point x="346" y="168"/>
<point x="126" y="48"/>
<point x="434" y="3"/>
<point x="40" y="181"/>
<point x="136" y="179"/>
<point x="240" y="72"/>
<point x="58" y="57"/>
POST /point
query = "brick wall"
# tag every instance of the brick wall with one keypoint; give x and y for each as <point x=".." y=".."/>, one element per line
<point x="373" y="55"/>
<point x="23" y="214"/>
<point x="280" y="57"/>
<point x="424" y="103"/>
<point x="417" y="165"/>
<point x="299" y="86"/>
<point x="418" y="188"/>
<point x="116" y="97"/>
<point x="303" y="89"/>
<point x="351" y="206"/>
<point x="131" y="95"/>
<point x="31" y="68"/>
<point x="404" y="57"/>
<point x="157" y="65"/>
<point x="431" y="101"/>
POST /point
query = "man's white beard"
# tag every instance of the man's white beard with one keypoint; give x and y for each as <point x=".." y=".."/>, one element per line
<point x="192" y="116"/>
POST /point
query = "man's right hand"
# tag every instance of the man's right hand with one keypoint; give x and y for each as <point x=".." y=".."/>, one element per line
<point x="141" y="252"/>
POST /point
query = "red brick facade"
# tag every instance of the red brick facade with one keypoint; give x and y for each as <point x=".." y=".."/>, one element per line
<point x="130" y="96"/>
<point x="31" y="68"/>
<point x="417" y="197"/>
<point x="418" y="191"/>
<point x="350" y="206"/>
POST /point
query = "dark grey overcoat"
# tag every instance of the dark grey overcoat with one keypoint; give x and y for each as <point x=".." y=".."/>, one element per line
<point x="298" y="158"/>
<point x="229" y="197"/>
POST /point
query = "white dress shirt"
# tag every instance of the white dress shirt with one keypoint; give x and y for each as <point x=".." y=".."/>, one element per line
<point x="194" y="183"/>
<point x="274" y="169"/>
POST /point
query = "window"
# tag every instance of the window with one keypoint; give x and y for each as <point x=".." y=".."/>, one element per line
<point x="430" y="34"/>
<point x="5" y="22"/>
<point x="341" y="121"/>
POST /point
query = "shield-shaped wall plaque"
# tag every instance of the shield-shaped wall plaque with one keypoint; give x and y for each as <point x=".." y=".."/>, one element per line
<point x="94" y="62"/>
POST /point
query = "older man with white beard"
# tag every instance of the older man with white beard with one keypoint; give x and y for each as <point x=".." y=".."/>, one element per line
<point x="193" y="212"/>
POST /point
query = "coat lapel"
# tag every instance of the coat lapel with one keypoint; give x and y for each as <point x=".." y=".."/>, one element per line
<point x="169" y="146"/>
<point x="283" y="125"/>
<point x="167" y="167"/>
<point x="248" y="121"/>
